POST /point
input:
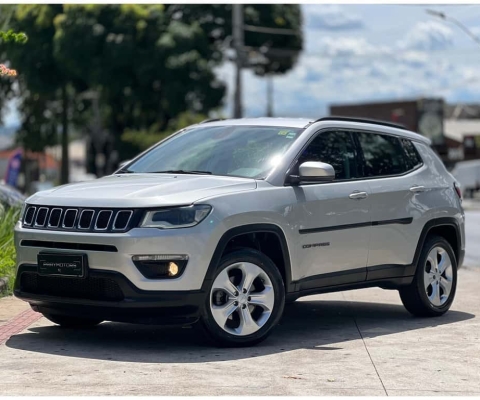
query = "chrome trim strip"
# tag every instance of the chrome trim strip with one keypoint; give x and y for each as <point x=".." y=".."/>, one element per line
<point x="80" y="220"/>
<point x="46" y="217"/>
<point x="74" y="219"/>
<point x="50" y="217"/>
<point x="108" y="222"/>
<point x="33" y="216"/>
<point x="126" y="224"/>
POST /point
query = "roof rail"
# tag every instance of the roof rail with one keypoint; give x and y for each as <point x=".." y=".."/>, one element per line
<point x="211" y="120"/>
<point x="364" y="120"/>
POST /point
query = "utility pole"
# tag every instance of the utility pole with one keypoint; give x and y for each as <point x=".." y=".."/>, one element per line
<point x="238" y="42"/>
<point x="269" y="96"/>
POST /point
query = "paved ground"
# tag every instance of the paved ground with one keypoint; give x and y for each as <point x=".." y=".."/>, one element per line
<point x="353" y="343"/>
<point x="472" y="231"/>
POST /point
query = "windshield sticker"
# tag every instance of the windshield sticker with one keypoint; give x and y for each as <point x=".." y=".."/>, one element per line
<point x="291" y="135"/>
<point x="283" y="132"/>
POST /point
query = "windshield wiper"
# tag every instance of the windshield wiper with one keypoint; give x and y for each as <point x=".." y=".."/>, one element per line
<point x="124" y="171"/>
<point x="182" y="171"/>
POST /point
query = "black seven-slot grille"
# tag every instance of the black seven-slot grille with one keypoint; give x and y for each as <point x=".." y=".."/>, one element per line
<point x="78" y="219"/>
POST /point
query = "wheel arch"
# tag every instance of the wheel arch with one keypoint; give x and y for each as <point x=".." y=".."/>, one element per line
<point x="243" y="231"/>
<point x="448" y="228"/>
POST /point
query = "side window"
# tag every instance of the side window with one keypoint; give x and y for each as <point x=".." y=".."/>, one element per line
<point x="383" y="154"/>
<point x="413" y="158"/>
<point x="335" y="148"/>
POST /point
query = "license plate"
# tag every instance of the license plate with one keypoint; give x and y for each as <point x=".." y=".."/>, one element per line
<point x="73" y="265"/>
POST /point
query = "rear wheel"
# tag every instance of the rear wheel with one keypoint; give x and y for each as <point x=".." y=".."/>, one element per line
<point x="433" y="289"/>
<point x="245" y="300"/>
<point x="72" y="322"/>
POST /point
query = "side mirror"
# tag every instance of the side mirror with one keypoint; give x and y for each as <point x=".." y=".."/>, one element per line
<point x="315" y="171"/>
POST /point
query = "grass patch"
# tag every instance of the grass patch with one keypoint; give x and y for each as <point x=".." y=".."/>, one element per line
<point x="8" y="220"/>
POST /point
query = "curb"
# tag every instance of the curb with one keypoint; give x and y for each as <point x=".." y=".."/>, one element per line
<point x="3" y="285"/>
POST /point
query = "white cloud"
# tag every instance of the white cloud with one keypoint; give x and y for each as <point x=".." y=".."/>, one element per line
<point x="339" y="68"/>
<point x="331" y="17"/>
<point x="427" y="36"/>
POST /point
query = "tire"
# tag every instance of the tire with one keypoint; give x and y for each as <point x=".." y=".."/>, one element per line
<point x="266" y="290"/>
<point x="433" y="288"/>
<point x="66" y="321"/>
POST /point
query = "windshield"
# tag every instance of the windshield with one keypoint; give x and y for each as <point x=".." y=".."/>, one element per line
<point x="245" y="151"/>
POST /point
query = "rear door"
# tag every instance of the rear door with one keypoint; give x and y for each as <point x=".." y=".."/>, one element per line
<point x="393" y="170"/>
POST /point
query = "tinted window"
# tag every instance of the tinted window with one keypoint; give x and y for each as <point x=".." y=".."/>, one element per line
<point x="336" y="149"/>
<point x="384" y="155"/>
<point x="413" y="158"/>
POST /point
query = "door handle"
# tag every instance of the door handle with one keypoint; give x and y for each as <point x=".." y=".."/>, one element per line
<point x="358" y="195"/>
<point x="417" y="189"/>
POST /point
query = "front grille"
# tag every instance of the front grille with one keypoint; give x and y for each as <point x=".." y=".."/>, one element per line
<point x="78" y="219"/>
<point x="41" y="216"/>
<point x="91" y="288"/>
<point x="55" y="215"/>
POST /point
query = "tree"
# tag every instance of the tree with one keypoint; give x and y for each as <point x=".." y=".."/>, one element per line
<point x="145" y="67"/>
<point x="132" y="69"/>
<point x="43" y="81"/>
<point x="280" y="51"/>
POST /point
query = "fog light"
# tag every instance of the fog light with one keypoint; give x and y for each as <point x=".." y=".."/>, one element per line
<point x="160" y="266"/>
<point x="173" y="269"/>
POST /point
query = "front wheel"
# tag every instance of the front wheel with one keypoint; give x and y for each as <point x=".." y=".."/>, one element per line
<point x="245" y="300"/>
<point x="433" y="289"/>
<point x="66" y="321"/>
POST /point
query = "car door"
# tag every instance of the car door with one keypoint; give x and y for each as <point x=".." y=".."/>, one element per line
<point x="397" y="183"/>
<point x="332" y="218"/>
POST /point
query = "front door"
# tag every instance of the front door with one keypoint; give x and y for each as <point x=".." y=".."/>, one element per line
<point x="333" y="219"/>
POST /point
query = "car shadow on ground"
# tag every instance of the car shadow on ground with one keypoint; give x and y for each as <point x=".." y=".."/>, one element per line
<point x="319" y="325"/>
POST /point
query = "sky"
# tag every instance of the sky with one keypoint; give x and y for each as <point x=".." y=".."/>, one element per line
<point x="357" y="53"/>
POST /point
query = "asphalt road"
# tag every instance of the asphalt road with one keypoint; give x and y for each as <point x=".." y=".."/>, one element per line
<point x="472" y="233"/>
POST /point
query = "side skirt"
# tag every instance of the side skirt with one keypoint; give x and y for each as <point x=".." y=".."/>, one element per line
<point x="383" y="276"/>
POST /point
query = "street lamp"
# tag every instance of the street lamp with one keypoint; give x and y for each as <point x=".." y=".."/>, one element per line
<point x="445" y="17"/>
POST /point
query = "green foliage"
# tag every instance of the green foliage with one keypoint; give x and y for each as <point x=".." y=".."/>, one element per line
<point x="8" y="220"/>
<point x="147" y="64"/>
<point x="216" y="20"/>
<point x="11" y="36"/>
<point x="143" y="139"/>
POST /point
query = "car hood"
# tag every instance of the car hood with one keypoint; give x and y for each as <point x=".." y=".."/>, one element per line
<point x="141" y="190"/>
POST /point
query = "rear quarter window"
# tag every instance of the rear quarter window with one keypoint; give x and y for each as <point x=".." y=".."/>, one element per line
<point x="412" y="156"/>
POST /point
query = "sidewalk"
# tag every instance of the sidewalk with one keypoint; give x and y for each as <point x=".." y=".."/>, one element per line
<point x="10" y="307"/>
<point x="360" y="342"/>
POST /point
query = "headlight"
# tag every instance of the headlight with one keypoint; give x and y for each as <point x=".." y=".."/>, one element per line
<point x="178" y="217"/>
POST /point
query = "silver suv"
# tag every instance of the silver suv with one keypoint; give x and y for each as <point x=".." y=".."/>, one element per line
<point x="224" y="222"/>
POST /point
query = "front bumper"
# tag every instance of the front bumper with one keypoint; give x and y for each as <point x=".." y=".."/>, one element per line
<point x="106" y="295"/>
<point x="114" y="251"/>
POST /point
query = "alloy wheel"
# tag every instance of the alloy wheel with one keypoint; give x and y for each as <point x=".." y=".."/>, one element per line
<point x="242" y="299"/>
<point x="438" y="276"/>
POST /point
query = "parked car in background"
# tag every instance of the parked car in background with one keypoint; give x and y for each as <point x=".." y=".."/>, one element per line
<point x="467" y="173"/>
<point x="224" y="222"/>
<point x="10" y="197"/>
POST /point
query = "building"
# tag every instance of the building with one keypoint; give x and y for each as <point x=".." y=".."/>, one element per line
<point x="454" y="129"/>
